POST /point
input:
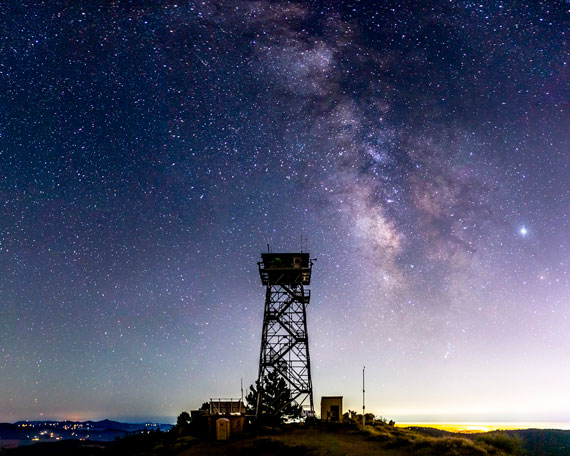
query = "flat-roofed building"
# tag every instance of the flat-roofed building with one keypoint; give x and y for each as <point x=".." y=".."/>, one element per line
<point x="331" y="408"/>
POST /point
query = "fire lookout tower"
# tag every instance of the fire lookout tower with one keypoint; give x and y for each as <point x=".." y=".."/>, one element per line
<point x="284" y="339"/>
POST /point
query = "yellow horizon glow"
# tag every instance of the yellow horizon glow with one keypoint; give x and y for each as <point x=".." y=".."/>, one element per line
<point x="477" y="427"/>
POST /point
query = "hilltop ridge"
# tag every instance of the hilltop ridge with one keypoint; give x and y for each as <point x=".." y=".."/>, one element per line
<point x="321" y="440"/>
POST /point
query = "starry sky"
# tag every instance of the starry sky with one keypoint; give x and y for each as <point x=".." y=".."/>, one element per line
<point x="149" y="152"/>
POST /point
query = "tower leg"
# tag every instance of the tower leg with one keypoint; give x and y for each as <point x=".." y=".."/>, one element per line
<point x="285" y="343"/>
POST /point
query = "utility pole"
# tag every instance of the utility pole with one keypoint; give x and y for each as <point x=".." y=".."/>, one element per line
<point x="363" y="391"/>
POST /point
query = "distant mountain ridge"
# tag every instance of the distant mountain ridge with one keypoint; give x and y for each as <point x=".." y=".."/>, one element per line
<point x="23" y="432"/>
<point x="101" y="424"/>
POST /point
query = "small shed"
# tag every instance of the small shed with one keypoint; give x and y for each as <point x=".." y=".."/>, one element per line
<point x="331" y="408"/>
<point x="222" y="429"/>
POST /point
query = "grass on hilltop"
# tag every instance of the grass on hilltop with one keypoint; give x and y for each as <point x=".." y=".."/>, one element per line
<point x="339" y="439"/>
<point x="299" y="439"/>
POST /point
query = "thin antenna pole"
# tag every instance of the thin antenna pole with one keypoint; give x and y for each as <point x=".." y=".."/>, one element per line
<point x="363" y="392"/>
<point x="241" y="384"/>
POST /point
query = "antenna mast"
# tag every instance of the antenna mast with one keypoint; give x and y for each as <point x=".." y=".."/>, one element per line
<point x="363" y="392"/>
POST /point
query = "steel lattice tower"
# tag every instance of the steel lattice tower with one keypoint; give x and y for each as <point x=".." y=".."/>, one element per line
<point x="284" y="339"/>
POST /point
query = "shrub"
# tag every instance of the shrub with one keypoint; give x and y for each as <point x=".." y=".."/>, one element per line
<point x="448" y="447"/>
<point x="510" y="445"/>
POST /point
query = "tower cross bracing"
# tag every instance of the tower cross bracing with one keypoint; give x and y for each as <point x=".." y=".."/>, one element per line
<point x="284" y="340"/>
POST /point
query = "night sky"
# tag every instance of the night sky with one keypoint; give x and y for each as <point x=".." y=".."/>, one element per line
<point x="149" y="152"/>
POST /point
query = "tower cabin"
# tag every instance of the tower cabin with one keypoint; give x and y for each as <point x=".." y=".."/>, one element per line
<point x="285" y="268"/>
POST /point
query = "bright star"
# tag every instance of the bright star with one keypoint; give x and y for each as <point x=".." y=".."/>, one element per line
<point x="523" y="231"/>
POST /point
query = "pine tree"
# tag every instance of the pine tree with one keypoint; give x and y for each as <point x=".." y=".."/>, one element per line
<point x="275" y="405"/>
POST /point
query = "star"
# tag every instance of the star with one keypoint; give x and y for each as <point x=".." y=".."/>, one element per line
<point x="162" y="149"/>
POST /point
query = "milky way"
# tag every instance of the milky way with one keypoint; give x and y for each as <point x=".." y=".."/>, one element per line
<point x="150" y="153"/>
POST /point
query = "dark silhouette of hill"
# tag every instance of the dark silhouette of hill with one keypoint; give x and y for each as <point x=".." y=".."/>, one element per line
<point x="432" y="432"/>
<point x="539" y="442"/>
<point x="36" y="432"/>
<point x="106" y="424"/>
<point x="9" y="431"/>
<point x="63" y="448"/>
<point x="320" y="440"/>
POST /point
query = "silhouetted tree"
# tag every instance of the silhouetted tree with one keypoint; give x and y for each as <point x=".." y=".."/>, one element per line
<point x="275" y="402"/>
<point x="183" y="420"/>
<point x="205" y="407"/>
